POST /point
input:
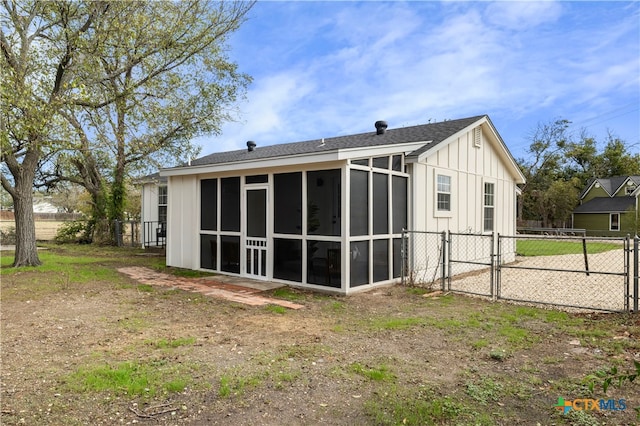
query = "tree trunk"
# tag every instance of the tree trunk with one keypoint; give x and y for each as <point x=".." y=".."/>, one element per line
<point x="26" y="249"/>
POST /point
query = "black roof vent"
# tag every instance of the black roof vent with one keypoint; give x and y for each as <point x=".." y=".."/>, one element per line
<point x="251" y="145"/>
<point x="381" y="127"/>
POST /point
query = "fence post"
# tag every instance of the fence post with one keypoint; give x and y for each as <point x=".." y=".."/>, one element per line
<point x="443" y="241"/>
<point x="493" y="266"/>
<point x="403" y="257"/>
<point x="636" y="269"/>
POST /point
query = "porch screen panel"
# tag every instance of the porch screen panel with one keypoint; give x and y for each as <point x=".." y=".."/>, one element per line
<point x="399" y="207"/>
<point x="323" y="266"/>
<point x="256" y="213"/>
<point x="230" y="254"/>
<point x="287" y="259"/>
<point x="380" y="203"/>
<point x="208" y="251"/>
<point x="397" y="257"/>
<point x="359" y="263"/>
<point x="288" y="203"/>
<point x="380" y="260"/>
<point x="230" y="204"/>
<point x="359" y="203"/>
<point x="209" y="204"/>
<point x="323" y="202"/>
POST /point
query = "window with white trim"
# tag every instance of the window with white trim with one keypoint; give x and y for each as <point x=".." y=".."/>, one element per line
<point x="162" y="204"/>
<point x="443" y="202"/>
<point x="614" y="222"/>
<point x="488" y="206"/>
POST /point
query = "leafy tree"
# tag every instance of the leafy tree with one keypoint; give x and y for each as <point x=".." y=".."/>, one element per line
<point x="40" y="43"/>
<point x="544" y="167"/>
<point x="102" y="87"/>
<point x="166" y="70"/>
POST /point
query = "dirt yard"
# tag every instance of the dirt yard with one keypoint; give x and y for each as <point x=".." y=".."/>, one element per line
<point x="389" y="356"/>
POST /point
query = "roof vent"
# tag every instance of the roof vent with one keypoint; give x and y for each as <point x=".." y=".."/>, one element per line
<point x="251" y="145"/>
<point x="381" y="127"/>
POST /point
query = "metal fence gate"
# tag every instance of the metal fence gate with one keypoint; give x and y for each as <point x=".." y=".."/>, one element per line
<point x="596" y="275"/>
<point x="573" y="272"/>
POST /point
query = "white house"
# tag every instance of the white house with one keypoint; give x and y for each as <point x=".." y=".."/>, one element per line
<point x="328" y="214"/>
<point x="154" y="210"/>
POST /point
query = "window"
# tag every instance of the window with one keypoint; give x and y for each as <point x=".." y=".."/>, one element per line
<point x="614" y="222"/>
<point x="162" y="204"/>
<point x="444" y="193"/>
<point x="489" y="206"/>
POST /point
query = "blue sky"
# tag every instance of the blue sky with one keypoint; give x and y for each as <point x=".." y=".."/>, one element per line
<point x="330" y="68"/>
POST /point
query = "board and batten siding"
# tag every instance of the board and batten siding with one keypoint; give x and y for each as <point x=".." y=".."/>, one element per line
<point x="183" y="203"/>
<point x="469" y="167"/>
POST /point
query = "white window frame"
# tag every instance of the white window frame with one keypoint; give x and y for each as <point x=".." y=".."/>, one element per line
<point x="163" y="195"/>
<point x="611" y="216"/>
<point x="437" y="190"/>
<point x="486" y="206"/>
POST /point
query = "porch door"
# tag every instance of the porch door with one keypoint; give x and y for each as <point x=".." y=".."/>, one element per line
<point x="256" y="235"/>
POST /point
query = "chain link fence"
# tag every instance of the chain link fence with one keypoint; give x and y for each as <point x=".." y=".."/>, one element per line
<point x="470" y="263"/>
<point x="423" y="259"/>
<point x="568" y="271"/>
<point x="574" y="272"/>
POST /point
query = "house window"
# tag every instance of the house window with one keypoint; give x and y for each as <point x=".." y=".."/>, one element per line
<point x="630" y="189"/>
<point x="489" y="206"/>
<point x="444" y="193"/>
<point x="614" y="222"/>
<point x="162" y="204"/>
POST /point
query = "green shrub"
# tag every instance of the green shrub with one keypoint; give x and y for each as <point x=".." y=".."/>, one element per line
<point x="72" y="232"/>
<point x="8" y="236"/>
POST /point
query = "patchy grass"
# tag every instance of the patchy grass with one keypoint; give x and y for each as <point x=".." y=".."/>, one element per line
<point x="128" y="378"/>
<point x="534" y="247"/>
<point x="98" y="343"/>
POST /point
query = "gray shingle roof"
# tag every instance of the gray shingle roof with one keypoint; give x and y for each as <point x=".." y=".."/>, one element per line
<point x="606" y="205"/>
<point x="610" y="184"/>
<point x="433" y="133"/>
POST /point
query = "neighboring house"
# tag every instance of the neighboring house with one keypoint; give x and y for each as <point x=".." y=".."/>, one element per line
<point x="609" y="206"/>
<point x="43" y="206"/>
<point x="328" y="214"/>
<point x="154" y="210"/>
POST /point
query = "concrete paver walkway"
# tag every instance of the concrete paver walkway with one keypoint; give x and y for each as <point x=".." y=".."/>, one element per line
<point x="208" y="286"/>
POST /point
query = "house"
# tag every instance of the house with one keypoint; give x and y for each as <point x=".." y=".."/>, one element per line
<point x="328" y="214"/>
<point x="609" y="206"/>
<point x="154" y="210"/>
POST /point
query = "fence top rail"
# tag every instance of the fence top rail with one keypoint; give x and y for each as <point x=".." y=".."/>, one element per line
<point x="407" y="231"/>
<point x="554" y="231"/>
<point x="472" y="234"/>
<point x="563" y="237"/>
